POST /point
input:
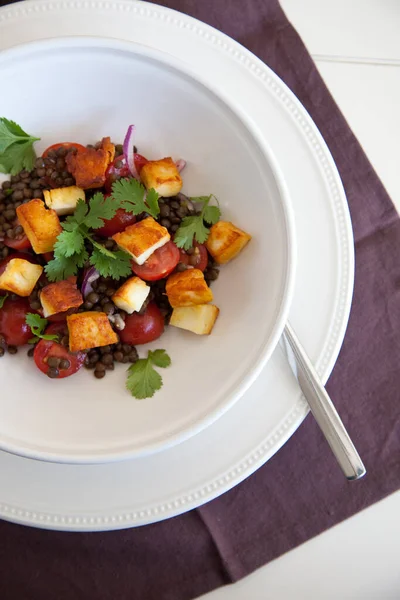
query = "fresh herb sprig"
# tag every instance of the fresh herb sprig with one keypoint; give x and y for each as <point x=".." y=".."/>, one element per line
<point x="38" y="326"/>
<point x="70" y="252"/>
<point x="133" y="198"/>
<point x="2" y="300"/>
<point x="16" y="148"/>
<point x="143" y="380"/>
<point x="194" y="228"/>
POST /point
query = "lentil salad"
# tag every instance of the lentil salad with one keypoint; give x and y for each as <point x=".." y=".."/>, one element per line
<point x="124" y="255"/>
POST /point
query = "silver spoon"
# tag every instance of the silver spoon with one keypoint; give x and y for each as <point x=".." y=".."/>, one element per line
<point x="322" y="407"/>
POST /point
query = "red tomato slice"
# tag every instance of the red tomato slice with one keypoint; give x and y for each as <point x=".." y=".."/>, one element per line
<point x="198" y="259"/>
<point x="48" y="256"/>
<point x="118" y="223"/>
<point x="61" y="316"/>
<point x="12" y="321"/>
<point x="160" y="264"/>
<point x="47" y="348"/>
<point x="141" y="329"/>
<point x="19" y="243"/>
<point x="140" y="161"/>
<point x="115" y="172"/>
<point x="67" y="145"/>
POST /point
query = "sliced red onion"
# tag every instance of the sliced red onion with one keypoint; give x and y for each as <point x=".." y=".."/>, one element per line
<point x="128" y="151"/>
<point x="180" y="164"/>
<point x="90" y="276"/>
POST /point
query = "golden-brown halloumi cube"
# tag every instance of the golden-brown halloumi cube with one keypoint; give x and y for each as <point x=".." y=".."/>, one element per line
<point x="188" y="288"/>
<point x="199" y="319"/>
<point x="226" y="241"/>
<point x="131" y="295"/>
<point x="41" y="226"/>
<point x="59" y="297"/>
<point x="142" y="239"/>
<point x="163" y="176"/>
<point x="64" y="200"/>
<point x="89" y="166"/>
<point x="90" y="330"/>
<point x="20" y="277"/>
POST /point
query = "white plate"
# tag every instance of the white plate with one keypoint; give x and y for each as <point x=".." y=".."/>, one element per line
<point x="151" y="488"/>
<point x="83" y="420"/>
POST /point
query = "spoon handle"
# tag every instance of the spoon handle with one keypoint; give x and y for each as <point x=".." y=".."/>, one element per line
<point x="322" y="407"/>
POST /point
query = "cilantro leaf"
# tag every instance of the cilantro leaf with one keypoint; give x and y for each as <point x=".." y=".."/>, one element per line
<point x="61" y="268"/>
<point x="17" y="157"/>
<point x="102" y="249"/>
<point x="2" y="300"/>
<point x="152" y="203"/>
<point x="69" y="243"/>
<point x="160" y="358"/>
<point x="11" y="133"/>
<point x="38" y="325"/>
<point x="130" y="193"/>
<point x="133" y="198"/>
<point x="100" y="209"/>
<point x="79" y="215"/>
<point x="116" y="266"/>
<point x="211" y="214"/>
<point x="191" y="228"/>
<point x="143" y="380"/>
<point x="16" y="148"/>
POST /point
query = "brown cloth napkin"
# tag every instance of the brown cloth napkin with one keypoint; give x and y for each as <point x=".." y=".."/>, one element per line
<point x="300" y="492"/>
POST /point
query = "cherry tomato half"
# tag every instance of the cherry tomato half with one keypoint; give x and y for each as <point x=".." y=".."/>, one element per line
<point x="119" y="169"/>
<point x="61" y="317"/>
<point x="198" y="259"/>
<point x="141" y="329"/>
<point x="47" y="348"/>
<point x="19" y="243"/>
<point x="12" y="321"/>
<point x="140" y="161"/>
<point x="118" y="223"/>
<point x="23" y="255"/>
<point x="66" y="145"/>
<point x="160" y="264"/>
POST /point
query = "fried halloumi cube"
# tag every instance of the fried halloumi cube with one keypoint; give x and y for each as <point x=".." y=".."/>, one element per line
<point x="226" y="241"/>
<point x="41" y="226"/>
<point x="89" y="166"/>
<point x="131" y="295"/>
<point x="90" y="330"/>
<point x="187" y="289"/>
<point x="142" y="239"/>
<point x="199" y="319"/>
<point x="108" y="147"/>
<point x="20" y="276"/>
<point x="59" y="297"/>
<point x="163" y="176"/>
<point x="64" y="200"/>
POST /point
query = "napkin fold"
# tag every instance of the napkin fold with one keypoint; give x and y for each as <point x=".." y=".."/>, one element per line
<point x="300" y="492"/>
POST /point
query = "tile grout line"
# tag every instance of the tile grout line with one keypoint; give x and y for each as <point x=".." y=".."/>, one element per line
<point x="357" y="60"/>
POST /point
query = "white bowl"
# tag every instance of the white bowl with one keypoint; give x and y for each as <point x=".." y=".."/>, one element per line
<point x="80" y="90"/>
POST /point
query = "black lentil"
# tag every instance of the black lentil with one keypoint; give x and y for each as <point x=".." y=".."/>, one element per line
<point x="64" y="364"/>
<point x="53" y="362"/>
<point x="53" y="373"/>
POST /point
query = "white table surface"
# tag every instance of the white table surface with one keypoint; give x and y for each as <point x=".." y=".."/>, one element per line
<point x="356" y="46"/>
